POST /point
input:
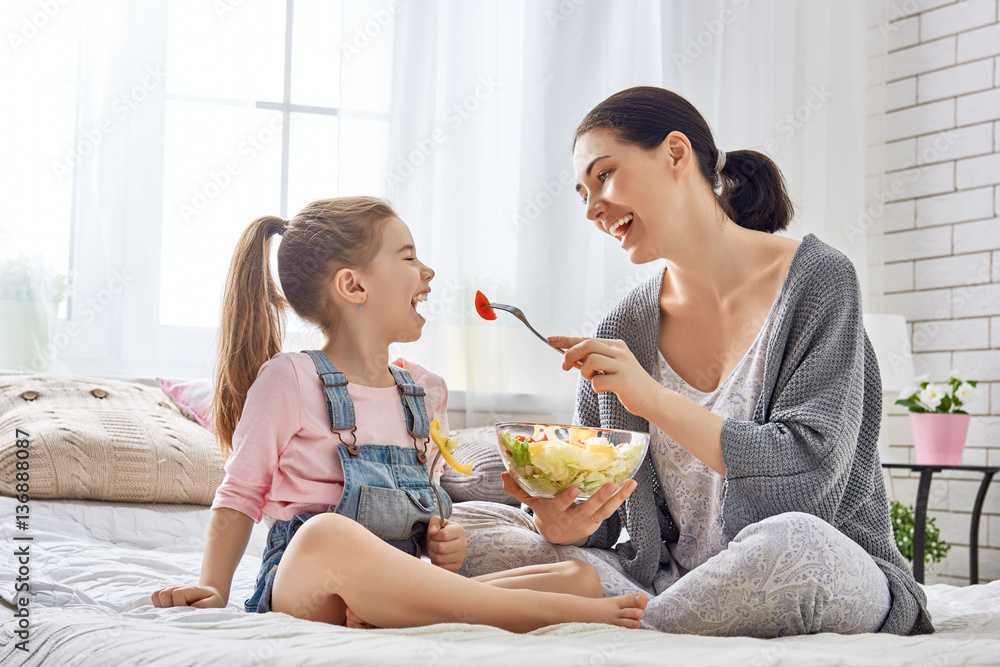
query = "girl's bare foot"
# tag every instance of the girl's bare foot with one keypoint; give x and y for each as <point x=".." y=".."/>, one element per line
<point x="624" y="610"/>
<point x="355" y="621"/>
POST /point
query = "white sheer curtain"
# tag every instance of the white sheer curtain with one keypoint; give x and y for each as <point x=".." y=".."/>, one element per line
<point x="491" y="190"/>
<point x="175" y="124"/>
<point x="461" y="113"/>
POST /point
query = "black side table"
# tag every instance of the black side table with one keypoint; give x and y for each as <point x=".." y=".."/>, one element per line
<point x="920" y="513"/>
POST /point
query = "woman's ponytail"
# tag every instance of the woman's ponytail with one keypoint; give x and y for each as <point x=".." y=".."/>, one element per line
<point x="752" y="189"/>
<point x="252" y="326"/>
<point x="753" y="192"/>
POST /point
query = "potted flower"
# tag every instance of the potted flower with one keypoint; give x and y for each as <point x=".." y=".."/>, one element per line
<point x="937" y="419"/>
<point x="29" y="295"/>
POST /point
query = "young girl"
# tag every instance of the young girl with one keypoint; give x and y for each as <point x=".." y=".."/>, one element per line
<point x="332" y="445"/>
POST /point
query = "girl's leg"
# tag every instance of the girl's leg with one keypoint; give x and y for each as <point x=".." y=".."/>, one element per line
<point x="333" y="561"/>
<point x="790" y="574"/>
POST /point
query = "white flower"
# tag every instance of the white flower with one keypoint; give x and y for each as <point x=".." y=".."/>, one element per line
<point x="921" y="379"/>
<point x="954" y="374"/>
<point x="931" y="396"/>
<point x="908" y="391"/>
<point x="965" y="391"/>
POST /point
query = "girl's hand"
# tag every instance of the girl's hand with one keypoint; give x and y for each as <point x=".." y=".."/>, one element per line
<point x="188" y="596"/>
<point x="446" y="545"/>
<point x="610" y="366"/>
<point x="560" y="521"/>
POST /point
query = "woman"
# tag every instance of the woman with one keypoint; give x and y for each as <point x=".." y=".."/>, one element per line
<point x="761" y="509"/>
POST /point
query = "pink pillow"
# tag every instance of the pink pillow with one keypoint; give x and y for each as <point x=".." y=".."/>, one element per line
<point x="193" y="399"/>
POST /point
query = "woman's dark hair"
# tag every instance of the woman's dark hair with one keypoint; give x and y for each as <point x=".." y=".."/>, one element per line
<point x="751" y="188"/>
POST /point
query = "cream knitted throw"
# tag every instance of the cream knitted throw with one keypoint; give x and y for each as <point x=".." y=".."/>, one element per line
<point x="104" y="440"/>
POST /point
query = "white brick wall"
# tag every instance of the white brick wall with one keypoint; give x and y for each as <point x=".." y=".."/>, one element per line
<point x="923" y="119"/>
<point x="902" y="93"/>
<point x="952" y="207"/>
<point x="954" y="270"/>
<point x="977" y="107"/>
<point x="954" y="144"/>
<point x="977" y="235"/>
<point x="914" y="306"/>
<point x="922" y="58"/>
<point x="900" y="215"/>
<point x="897" y="277"/>
<point x="956" y="18"/>
<point x="977" y="44"/>
<point x="941" y="242"/>
<point x="901" y="154"/>
<point x="969" y="334"/>
<point x="956" y="80"/>
<point x="976" y="300"/>
<point x="932" y="242"/>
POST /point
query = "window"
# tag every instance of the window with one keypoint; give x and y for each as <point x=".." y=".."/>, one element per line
<point x="38" y="81"/>
<point x="217" y="113"/>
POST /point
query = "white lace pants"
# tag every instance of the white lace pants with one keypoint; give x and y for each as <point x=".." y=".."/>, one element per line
<point x="787" y="575"/>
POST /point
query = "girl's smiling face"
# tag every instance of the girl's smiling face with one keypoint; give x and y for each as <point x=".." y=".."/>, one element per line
<point x="631" y="193"/>
<point x="395" y="282"/>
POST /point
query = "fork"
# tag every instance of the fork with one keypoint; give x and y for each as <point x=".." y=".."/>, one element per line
<point x="516" y="312"/>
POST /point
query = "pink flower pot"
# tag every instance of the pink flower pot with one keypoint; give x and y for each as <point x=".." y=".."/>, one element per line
<point x="938" y="437"/>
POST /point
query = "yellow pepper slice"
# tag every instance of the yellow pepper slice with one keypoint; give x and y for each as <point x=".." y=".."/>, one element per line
<point x="445" y="444"/>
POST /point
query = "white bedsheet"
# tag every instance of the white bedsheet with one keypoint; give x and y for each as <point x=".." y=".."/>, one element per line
<point x="93" y="566"/>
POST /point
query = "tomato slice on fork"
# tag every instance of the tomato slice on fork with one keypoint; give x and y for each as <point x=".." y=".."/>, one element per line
<point x="482" y="307"/>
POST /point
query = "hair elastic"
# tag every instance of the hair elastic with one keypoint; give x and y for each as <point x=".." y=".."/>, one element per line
<point x="720" y="161"/>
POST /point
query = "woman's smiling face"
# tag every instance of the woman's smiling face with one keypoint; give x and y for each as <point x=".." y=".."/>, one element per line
<point x="631" y="193"/>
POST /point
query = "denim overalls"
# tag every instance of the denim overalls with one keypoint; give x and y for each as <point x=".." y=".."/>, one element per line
<point x="387" y="489"/>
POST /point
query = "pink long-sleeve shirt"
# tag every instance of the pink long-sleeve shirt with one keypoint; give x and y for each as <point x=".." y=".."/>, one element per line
<point x="284" y="459"/>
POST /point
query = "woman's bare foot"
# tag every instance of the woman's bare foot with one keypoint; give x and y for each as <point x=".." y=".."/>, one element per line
<point x="624" y="610"/>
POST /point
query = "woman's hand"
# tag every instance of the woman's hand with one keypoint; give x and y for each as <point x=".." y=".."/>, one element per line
<point x="188" y="596"/>
<point x="561" y="521"/>
<point x="610" y="366"/>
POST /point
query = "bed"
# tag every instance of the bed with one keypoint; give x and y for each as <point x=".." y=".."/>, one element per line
<point x="93" y="564"/>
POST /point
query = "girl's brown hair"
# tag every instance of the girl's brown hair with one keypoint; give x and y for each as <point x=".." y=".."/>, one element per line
<point x="752" y="189"/>
<point x="324" y="237"/>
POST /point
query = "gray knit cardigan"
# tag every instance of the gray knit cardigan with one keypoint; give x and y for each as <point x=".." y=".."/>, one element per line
<point x="811" y="446"/>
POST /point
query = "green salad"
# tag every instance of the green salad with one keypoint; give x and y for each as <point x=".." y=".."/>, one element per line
<point x="549" y="465"/>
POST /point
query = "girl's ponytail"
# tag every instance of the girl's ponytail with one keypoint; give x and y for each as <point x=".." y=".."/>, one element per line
<point x="253" y="322"/>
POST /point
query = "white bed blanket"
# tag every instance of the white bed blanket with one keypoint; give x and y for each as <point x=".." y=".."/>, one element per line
<point x="93" y="566"/>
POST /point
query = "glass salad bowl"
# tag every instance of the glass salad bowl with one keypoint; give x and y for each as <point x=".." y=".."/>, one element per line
<point x="547" y="459"/>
